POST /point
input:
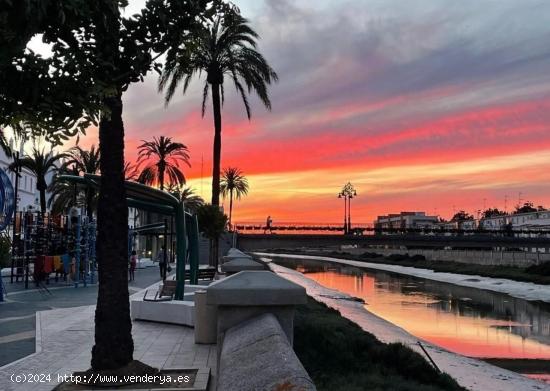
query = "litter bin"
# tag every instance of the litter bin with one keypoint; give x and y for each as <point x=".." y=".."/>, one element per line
<point x="206" y="320"/>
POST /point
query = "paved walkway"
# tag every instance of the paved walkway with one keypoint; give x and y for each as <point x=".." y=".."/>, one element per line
<point x="17" y="313"/>
<point x="65" y="336"/>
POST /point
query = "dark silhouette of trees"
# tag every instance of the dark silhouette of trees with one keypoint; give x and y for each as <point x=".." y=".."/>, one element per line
<point x="492" y="212"/>
<point x="96" y="54"/>
<point x="461" y="216"/>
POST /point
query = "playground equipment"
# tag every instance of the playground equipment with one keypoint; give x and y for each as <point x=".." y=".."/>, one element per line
<point x="64" y="245"/>
<point x="157" y="201"/>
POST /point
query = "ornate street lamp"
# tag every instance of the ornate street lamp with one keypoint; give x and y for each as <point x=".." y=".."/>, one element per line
<point x="347" y="193"/>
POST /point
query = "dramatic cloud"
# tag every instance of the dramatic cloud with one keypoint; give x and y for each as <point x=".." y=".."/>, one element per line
<point x="421" y="104"/>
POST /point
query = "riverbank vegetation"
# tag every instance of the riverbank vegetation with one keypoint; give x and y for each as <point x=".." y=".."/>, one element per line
<point x="339" y="355"/>
<point x="538" y="274"/>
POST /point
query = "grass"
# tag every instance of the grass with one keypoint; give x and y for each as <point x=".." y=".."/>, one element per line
<point x="339" y="355"/>
<point x="539" y="274"/>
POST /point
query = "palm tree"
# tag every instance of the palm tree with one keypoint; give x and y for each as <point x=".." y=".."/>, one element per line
<point x="40" y="164"/>
<point x="85" y="162"/>
<point x="130" y="171"/>
<point x="167" y="157"/>
<point x="233" y="183"/>
<point x="64" y="195"/>
<point x="186" y="195"/>
<point x="228" y="47"/>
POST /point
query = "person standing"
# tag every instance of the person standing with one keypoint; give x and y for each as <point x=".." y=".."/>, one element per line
<point x="133" y="263"/>
<point x="161" y="259"/>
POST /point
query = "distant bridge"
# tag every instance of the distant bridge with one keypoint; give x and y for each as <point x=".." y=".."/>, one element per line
<point x="471" y="240"/>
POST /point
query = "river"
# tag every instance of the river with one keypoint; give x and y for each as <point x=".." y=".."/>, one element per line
<point x="471" y="322"/>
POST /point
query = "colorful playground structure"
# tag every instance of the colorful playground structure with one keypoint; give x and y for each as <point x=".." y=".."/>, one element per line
<point x="46" y="246"/>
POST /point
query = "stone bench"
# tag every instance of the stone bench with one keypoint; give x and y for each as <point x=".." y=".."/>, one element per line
<point x="256" y="355"/>
<point x="235" y="265"/>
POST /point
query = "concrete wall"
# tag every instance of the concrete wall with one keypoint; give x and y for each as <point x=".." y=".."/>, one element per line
<point x="493" y="258"/>
<point x="256" y="355"/>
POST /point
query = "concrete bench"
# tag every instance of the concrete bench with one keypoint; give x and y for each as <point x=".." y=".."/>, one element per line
<point x="236" y="265"/>
<point x="256" y="355"/>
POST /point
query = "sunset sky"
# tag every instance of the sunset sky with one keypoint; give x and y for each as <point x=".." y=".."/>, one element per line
<point x="423" y="105"/>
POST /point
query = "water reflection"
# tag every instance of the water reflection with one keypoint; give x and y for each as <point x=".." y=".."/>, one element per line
<point x="468" y="321"/>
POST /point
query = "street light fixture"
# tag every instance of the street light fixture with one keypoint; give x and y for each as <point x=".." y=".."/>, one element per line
<point x="347" y="193"/>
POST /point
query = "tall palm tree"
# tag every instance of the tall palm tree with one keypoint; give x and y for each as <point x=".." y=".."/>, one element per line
<point x="233" y="183"/>
<point x="40" y="163"/>
<point x="228" y="47"/>
<point x="186" y="195"/>
<point x="166" y="156"/>
<point x="85" y="162"/>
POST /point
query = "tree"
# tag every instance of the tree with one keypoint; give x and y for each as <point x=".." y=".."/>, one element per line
<point x="186" y="195"/>
<point x="40" y="163"/>
<point x="130" y="172"/>
<point x="96" y="55"/>
<point x="233" y="182"/>
<point x="212" y="222"/>
<point x="162" y="156"/>
<point x="84" y="162"/>
<point x="228" y="47"/>
<point x="527" y="207"/>
<point x="492" y="212"/>
<point x="462" y="216"/>
<point x="64" y="195"/>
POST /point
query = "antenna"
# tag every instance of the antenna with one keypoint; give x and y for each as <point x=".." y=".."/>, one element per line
<point x="519" y="199"/>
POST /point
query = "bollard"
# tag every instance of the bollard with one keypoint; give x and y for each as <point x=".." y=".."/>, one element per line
<point x="206" y="321"/>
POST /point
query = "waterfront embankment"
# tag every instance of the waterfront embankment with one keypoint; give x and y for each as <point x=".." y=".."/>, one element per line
<point x="470" y="373"/>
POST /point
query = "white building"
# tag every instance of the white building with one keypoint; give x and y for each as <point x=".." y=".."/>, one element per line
<point x="406" y="220"/>
<point x="26" y="193"/>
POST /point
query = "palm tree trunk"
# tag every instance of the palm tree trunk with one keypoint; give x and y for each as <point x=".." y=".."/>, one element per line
<point x="43" y="200"/>
<point x="217" y="144"/>
<point x="230" y="206"/>
<point x="161" y="179"/>
<point x="113" y="328"/>
<point x="216" y="160"/>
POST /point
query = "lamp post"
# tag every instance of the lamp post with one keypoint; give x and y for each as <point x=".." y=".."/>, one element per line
<point x="347" y="193"/>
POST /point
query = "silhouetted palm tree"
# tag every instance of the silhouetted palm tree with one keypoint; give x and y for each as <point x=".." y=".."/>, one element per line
<point x="63" y="194"/>
<point x="84" y="162"/>
<point x="226" y="48"/>
<point x="40" y="164"/>
<point x="233" y="183"/>
<point x="130" y="172"/>
<point x="167" y="156"/>
<point x="187" y="195"/>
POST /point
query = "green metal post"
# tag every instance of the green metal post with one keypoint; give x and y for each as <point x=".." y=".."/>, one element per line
<point x="192" y="229"/>
<point x="181" y="251"/>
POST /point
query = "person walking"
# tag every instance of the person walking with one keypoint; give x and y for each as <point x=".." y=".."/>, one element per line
<point x="133" y="263"/>
<point x="161" y="259"/>
<point x="268" y="223"/>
